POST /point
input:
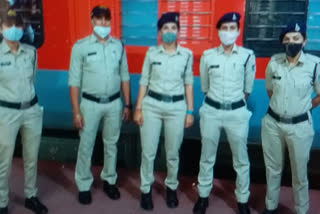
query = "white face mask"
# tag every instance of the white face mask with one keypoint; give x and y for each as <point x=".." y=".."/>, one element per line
<point x="228" y="37"/>
<point x="103" y="32"/>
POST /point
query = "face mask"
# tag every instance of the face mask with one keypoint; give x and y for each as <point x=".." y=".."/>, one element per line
<point x="11" y="2"/>
<point x="169" y="37"/>
<point x="13" y="34"/>
<point x="228" y="37"/>
<point x="102" y="32"/>
<point x="292" y="49"/>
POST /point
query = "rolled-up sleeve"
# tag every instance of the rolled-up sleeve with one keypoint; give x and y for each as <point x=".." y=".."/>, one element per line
<point x="145" y="76"/>
<point x="250" y="73"/>
<point x="188" y="77"/>
<point x="124" y="70"/>
<point x="204" y="77"/>
<point x="317" y="80"/>
<point x="269" y="76"/>
<point x="75" y="71"/>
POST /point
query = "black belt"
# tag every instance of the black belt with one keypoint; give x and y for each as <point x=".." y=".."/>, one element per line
<point x="225" y="106"/>
<point x="101" y="99"/>
<point x="292" y="120"/>
<point x="165" y="98"/>
<point x="23" y="105"/>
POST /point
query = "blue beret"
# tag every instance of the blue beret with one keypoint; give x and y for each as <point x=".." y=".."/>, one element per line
<point x="294" y="27"/>
<point x="168" y="17"/>
<point x="101" y="10"/>
<point x="228" y="17"/>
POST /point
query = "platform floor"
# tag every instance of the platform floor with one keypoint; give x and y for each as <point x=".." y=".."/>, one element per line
<point x="58" y="191"/>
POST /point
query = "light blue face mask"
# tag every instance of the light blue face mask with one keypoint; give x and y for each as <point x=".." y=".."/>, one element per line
<point x="169" y="37"/>
<point x="102" y="32"/>
<point x="13" y="34"/>
<point x="11" y="2"/>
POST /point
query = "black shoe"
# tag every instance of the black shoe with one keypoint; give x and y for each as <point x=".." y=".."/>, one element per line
<point x="112" y="191"/>
<point x="266" y="211"/>
<point x="172" y="200"/>
<point x="243" y="208"/>
<point x="84" y="197"/>
<point x="35" y="205"/>
<point x="201" y="206"/>
<point x="146" y="201"/>
<point x="4" y="210"/>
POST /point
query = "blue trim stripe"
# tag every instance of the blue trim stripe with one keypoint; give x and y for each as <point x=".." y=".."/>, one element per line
<point x="53" y="92"/>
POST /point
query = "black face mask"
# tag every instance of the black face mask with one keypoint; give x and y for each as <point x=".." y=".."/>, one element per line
<point x="292" y="49"/>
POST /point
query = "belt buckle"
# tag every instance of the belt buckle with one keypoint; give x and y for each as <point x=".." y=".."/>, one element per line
<point x="25" y="105"/>
<point x="167" y="99"/>
<point x="226" y="106"/>
<point x="285" y="120"/>
<point x="104" y="100"/>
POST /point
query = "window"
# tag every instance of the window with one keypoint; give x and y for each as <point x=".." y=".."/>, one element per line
<point x="139" y="22"/>
<point x="266" y="19"/>
<point x="31" y="12"/>
<point x="313" y="27"/>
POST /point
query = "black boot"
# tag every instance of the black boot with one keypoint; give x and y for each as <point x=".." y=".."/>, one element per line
<point x="84" y="197"/>
<point x="146" y="201"/>
<point x="35" y="205"/>
<point x="266" y="211"/>
<point x="243" y="208"/>
<point x="201" y="206"/>
<point x="4" y="210"/>
<point x="172" y="200"/>
<point x="111" y="190"/>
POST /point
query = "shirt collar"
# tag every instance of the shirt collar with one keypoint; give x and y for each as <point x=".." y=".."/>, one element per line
<point x="94" y="39"/>
<point x="302" y="59"/>
<point x="4" y="48"/>
<point x="234" y="49"/>
<point x="178" y="50"/>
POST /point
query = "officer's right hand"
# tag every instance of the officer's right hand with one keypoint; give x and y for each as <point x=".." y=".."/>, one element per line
<point x="138" y="117"/>
<point x="78" y="121"/>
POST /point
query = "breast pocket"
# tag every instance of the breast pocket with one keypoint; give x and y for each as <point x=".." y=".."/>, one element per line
<point x="156" y="68"/>
<point x="303" y="88"/>
<point x="277" y="82"/>
<point x="238" y="70"/>
<point x="215" y="71"/>
<point x="178" y="71"/>
<point x="93" y="62"/>
<point x="7" y="71"/>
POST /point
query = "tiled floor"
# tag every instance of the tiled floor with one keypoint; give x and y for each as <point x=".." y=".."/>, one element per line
<point x="58" y="191"/>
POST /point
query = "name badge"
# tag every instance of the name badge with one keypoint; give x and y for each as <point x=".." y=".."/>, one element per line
<point x="92" y="53"/>
<point x="2" y="64"/>
<point x="214" y="66"/>
<point x="276" y="77"/>
<point x="156" y="63"/>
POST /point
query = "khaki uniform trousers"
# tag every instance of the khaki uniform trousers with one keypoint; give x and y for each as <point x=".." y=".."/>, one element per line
<point x="298" y="139"/>
<point x="111" y="116"/>
<point x="29" y="122"/>
<point x="236" y="125"/>
<point x="172" y="116"/>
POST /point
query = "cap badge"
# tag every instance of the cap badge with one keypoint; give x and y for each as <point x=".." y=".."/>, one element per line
<point x="297" y="28"/>
<point x="12" y="13"/>
<point x="234" y="17"/>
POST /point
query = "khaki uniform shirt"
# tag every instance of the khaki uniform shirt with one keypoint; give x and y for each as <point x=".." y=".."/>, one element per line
<point x="226" y="78"/>
<point x="292" y="86"/>
<point x="167" y="73"/>
<point x="17" y="73"/>
<point x="98" y="68"/>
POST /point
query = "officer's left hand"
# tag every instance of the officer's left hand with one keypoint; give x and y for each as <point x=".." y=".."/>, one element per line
<point x="126" y="114"/>
<point x="189" y="120"/>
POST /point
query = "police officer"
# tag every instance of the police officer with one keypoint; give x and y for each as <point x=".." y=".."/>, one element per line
<point x="290" y="79"/>
<point x="166" y="80"/>
<point x="99" y="69"/>
<point x="227" y="75"/>
<point x="19" y="111"/>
